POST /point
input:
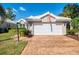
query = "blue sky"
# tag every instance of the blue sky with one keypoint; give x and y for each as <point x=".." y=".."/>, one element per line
<point x="23" y="10"/>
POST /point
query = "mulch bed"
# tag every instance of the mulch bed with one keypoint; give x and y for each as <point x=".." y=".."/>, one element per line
<point x="74" y="37"/>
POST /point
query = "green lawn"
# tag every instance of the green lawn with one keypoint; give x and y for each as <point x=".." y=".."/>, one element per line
<point x="9" y="46"/>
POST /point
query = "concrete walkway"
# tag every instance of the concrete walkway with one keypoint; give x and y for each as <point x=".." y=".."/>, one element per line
<point x="48" y="45"/>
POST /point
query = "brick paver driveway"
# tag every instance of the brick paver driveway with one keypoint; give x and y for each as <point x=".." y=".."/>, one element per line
<point x="47" y="45"/>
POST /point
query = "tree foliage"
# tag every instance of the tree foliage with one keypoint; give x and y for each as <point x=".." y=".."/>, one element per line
<point x="10" y="14"/>
<point x="6" y="14"/>
<point x="71" y="10"/>
<point x="75" y="23"/>
<point x="2" y="14"/>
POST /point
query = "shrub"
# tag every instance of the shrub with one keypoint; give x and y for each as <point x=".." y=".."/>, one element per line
<point x="28" y="33"/>
<point x="72" y="32"/>
<point x="25" y="32"/>
<point x="22" y="31"/>
<point x="5" y="29"/>
<point x="1" y="30"/>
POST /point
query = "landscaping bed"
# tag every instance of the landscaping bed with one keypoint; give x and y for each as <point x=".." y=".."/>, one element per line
<point x="74" y="37"/>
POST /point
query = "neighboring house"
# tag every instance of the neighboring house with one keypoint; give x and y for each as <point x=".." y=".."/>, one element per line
<point x="47" y="24"/>
<point x="6" y="25"/>
<point x="22" y="23"/>
<point x="11" y="24"/>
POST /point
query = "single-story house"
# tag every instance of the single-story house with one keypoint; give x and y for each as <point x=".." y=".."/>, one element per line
<point x="11" y="24"/>
<point x="47" y="24"/>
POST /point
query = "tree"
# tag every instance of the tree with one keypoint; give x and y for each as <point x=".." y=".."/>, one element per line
<point x="2" y="14"/>
<point x="71" y="10"/>
<point x="10" y="14"/>
<point x="75" y="23"/>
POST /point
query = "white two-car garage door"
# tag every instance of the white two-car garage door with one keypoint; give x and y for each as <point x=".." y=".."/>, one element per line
<point x="45" y="29"/>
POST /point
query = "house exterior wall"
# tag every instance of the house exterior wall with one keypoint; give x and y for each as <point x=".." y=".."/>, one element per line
<point x="26" y="26"/>
<point x="4" y="25"/>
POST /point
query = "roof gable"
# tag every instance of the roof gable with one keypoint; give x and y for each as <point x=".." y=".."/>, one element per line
<point x="48" y="18"/>
<point x="22" y="21"/>
<point x="57" y="18"/>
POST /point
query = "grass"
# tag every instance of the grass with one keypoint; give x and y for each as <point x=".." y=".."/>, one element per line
<point x="9" y="46"/>
<point x="7" y="36"/>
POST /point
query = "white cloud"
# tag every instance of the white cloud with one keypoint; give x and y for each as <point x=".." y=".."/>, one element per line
<point x="22" y="8"/>
<point x="14" y="10"/>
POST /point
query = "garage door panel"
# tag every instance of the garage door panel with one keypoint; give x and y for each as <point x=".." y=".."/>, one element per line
<point x="45" y="29"/>
<point x="57" y="29"/>
<point x="41" y="29"/>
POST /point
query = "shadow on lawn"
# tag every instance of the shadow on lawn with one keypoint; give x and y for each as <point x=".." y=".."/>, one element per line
<point x="74" y="37"/>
